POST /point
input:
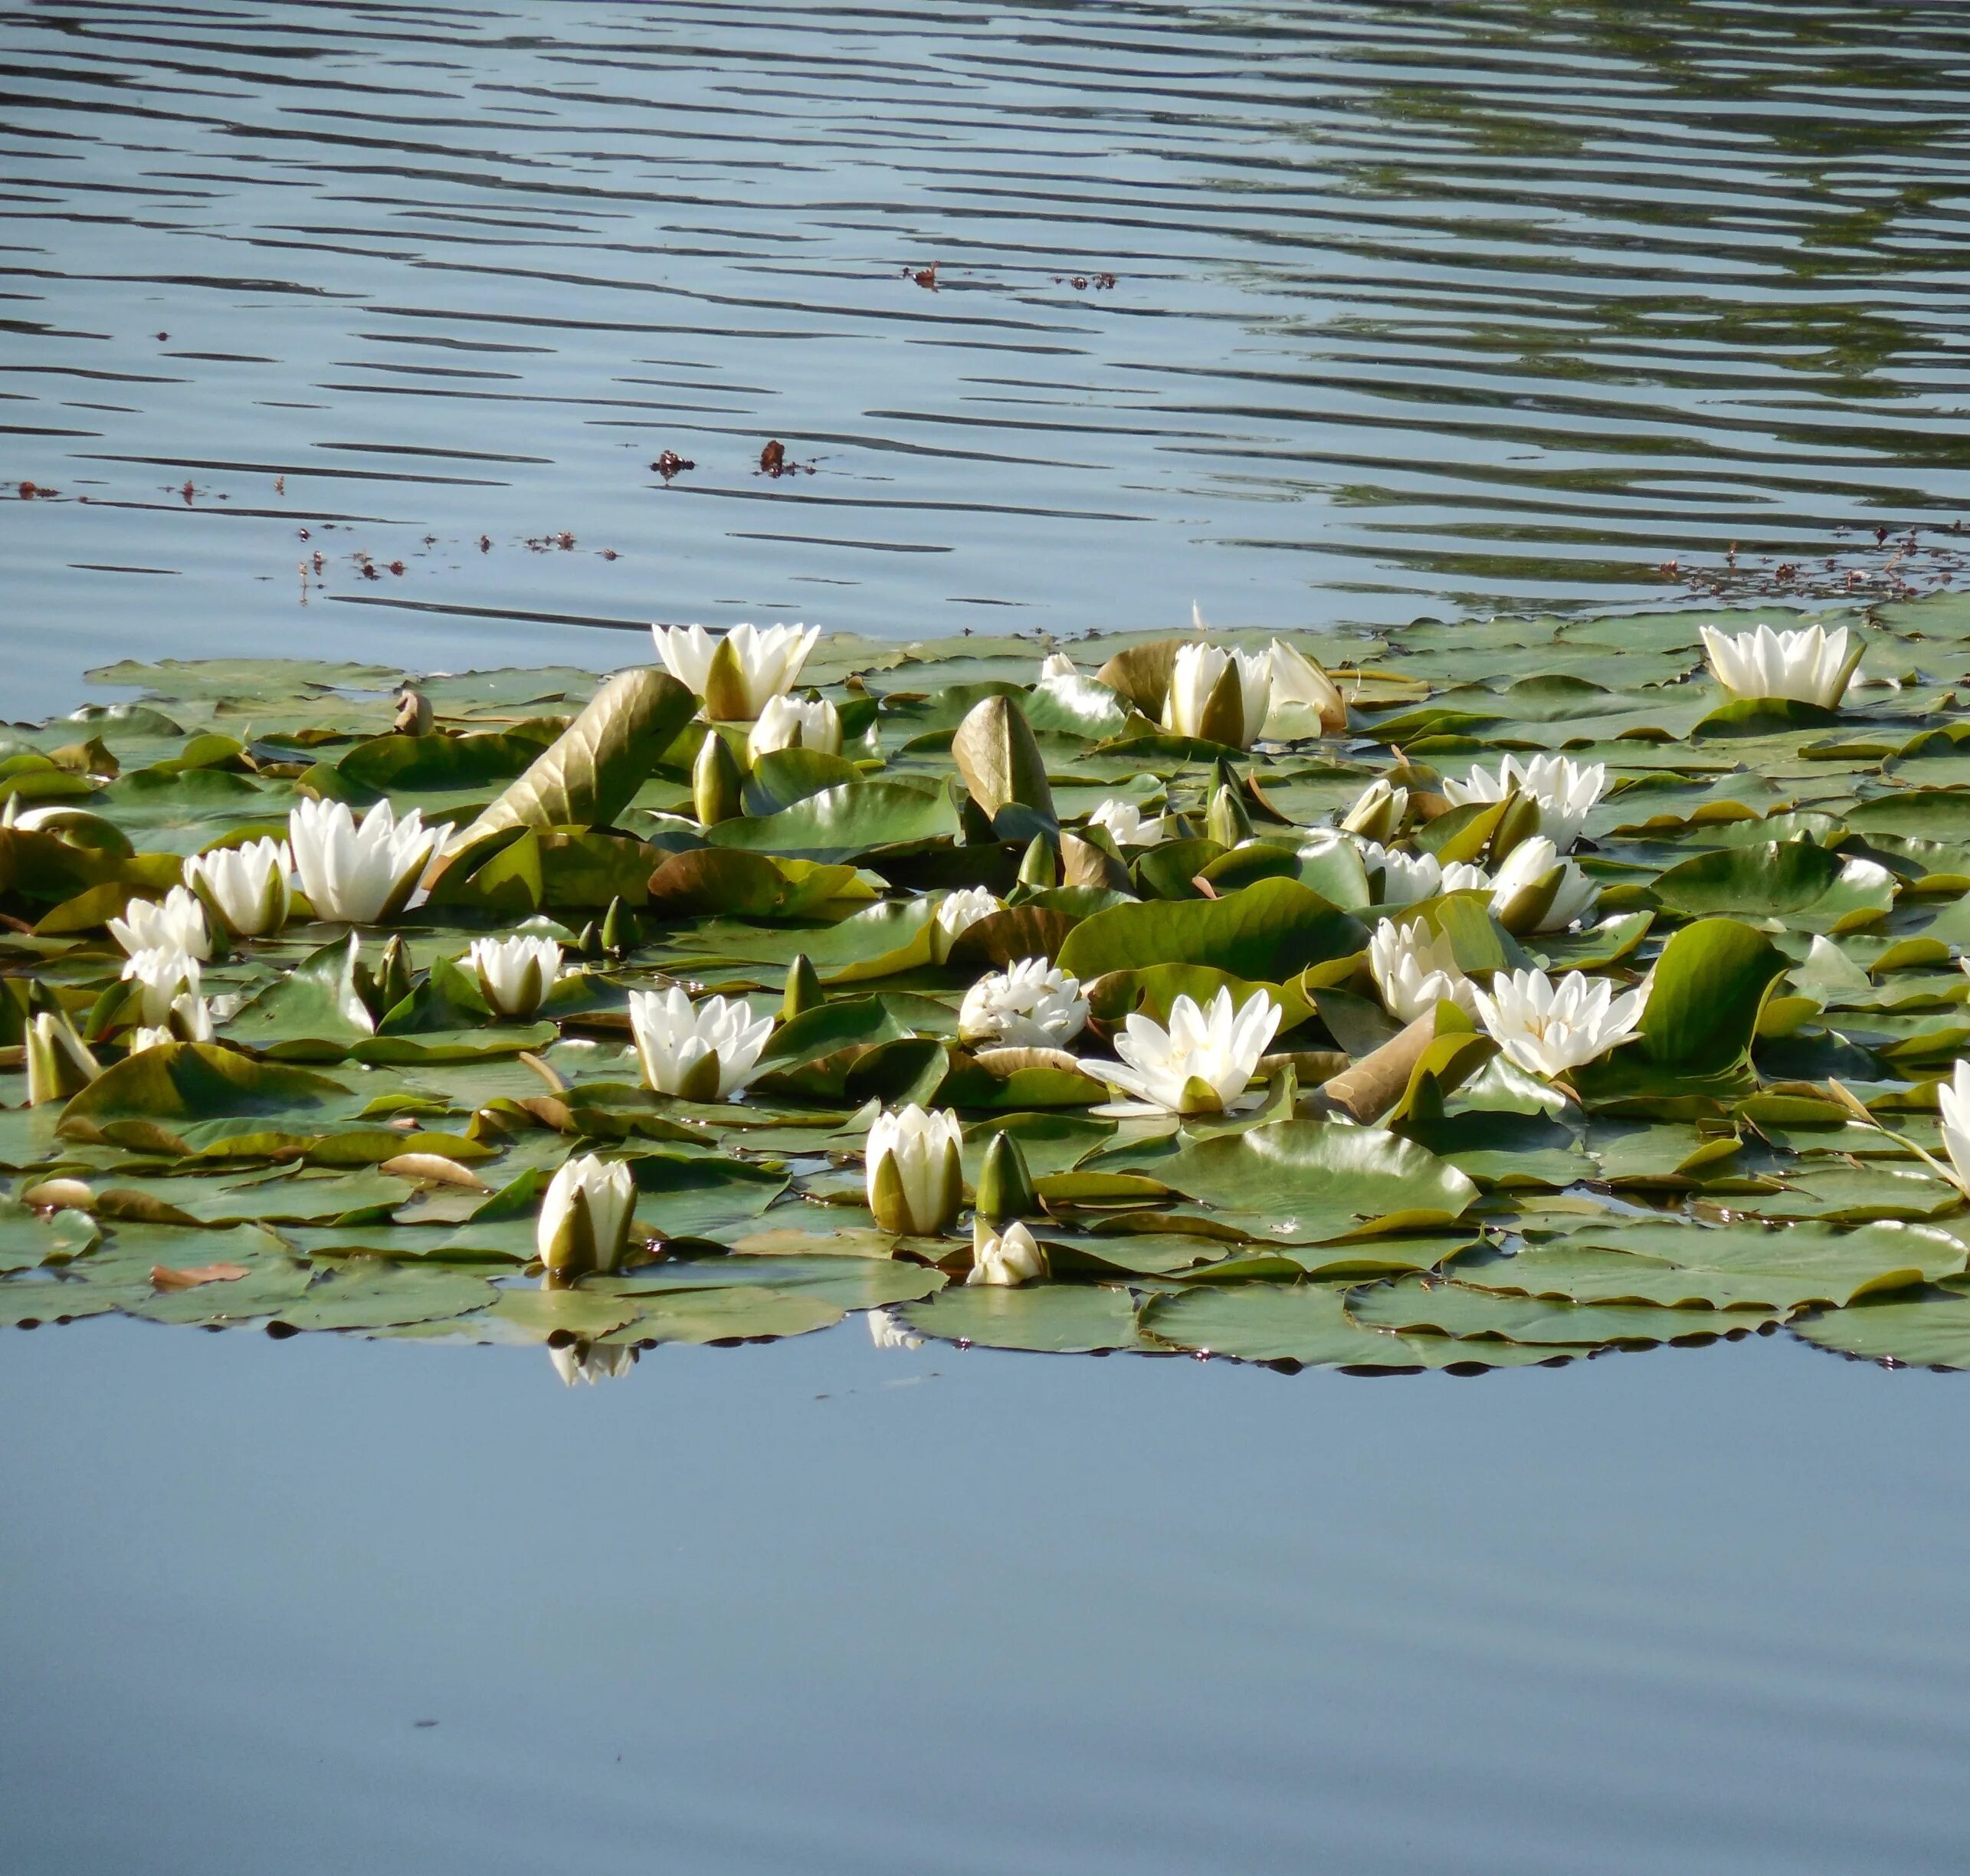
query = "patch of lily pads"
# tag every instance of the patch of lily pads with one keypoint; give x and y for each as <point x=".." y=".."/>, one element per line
<point x="1462" y="997"/>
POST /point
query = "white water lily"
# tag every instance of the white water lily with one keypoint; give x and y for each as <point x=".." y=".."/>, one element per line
<point x="1565" y="791"/>
<point x="1378" y="812"/>
<point x="1029" y="1005"/>
<point x="166" y="973"/>
<point x="515" y="974"/>
<point x="585" y="1218"/>
<point x="1549" y="1029"/>
<point x="1536" y="891"/>
<point x="1397" y="879"/>
<point x="60" y="1063"/>
<point x="245" y="888"/>
<point x="704" y="1052"/>
<point x="1006" y="1260"/>
<point x="1303" y="695"/>
<point x="362" y="872"/>
<point x="795" y="723"/>
<point x="592" y="1361"/>
<point x="1415" y="969"/>
<point x="1952" y="1098"/>
<point x="1126" y="824"/>
<point x="1218" y="695"/>
<point x="734" y="674"/>
<point x="958" y="912"/>
<point x="189" y="1019"/>
<point x="1203" y="1063"/>
<point x="1057" y="664"/>
<point x="915" y="1181"/>
<point x="177" y="924"/>
<point x="1810" y="666"/>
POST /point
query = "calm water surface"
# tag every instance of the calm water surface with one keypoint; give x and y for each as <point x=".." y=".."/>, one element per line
<point x="1416" y="308"/>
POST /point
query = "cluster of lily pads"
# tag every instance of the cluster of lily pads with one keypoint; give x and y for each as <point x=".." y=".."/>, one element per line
<point x="1471" y="995"/>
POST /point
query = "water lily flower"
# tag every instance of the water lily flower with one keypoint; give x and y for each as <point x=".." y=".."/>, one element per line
<point x="916" y="1183"/>
<point x="1006" y="1259"/>
<point x="1953" y="1099"/>
<point x="1535" y="891"/>
<point x="1030" y="1004"/>
<point x="1415" y="969"/>
<point x="585" y="1218"/>
<point x="888" y="1330"/>
<point x="1218" y="695"/>
<point x="1057" y="664"/>
<point x="1300" y="684"/>
<point x="59" y="1061"/>
<point x="1565" y="791"/>
<point x="1811" y="666"/>
<point x="362" y="872"/>
<point x="245" y="888"/>
<point x="734" y="674"/>
<point x="166" y="973"/>
<point x="795" y="723"/>
<point x="1549" y="1028"/>
<point x="958" y="912"/>
<point x="178" y="924"/>
<point x="188" y="1020"/>
<point x="592" y="1361"/>
<point x="702" y="1052"/>
<point x="515" y="974"/>
<point x="1378" y="812"/>
<point x="1126" y="824"/>
<point x="1202" y="1063"/>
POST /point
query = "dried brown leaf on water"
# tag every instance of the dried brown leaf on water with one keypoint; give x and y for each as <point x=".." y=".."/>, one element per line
<point x="163" y="1277"/>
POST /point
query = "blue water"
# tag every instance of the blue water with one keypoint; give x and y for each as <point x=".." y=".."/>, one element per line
<point x="820" y="1607"/>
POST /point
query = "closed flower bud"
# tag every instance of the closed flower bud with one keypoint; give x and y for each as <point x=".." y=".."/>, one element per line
<point x="794" y="723"/>
<point x="1218" y="695"/>
<point x="244" y="888"/>
<point x="1378" y="812"/>
<point x="1005" y="1186"/>
<point x="717" y="782"/>
<point x="515" y="974"/>
<point x="585" y="1218"/>
<point x="916" y="1181"/>
<point x="59" y="1063"/>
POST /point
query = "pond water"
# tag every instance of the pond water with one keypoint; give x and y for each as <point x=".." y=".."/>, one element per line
<point x="1414" y="310"/>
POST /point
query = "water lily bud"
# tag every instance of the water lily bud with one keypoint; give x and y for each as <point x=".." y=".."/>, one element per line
<point x="1005" y="1186"/>
<point x="1303" y="696"/>
<point x="395" y="976"/>
<point x="734" y="674"/>
<point x="619" y="933"/>
<point x="59" y="1063"/>
<point x="1177" y="825"/>
<point x="916" y="1181"/>
<point x="592" y="1361"/>
<point x="1040" y="867"/>
<point x="704" y="1052"/>
<point x="1124" y="823"/>
<point x="803" y="992"/>
<point x="589" y="944"/>
<point x="1227" y="822"/>
<point x="717" y="782"/>
<point x="1538" y="891"/>
<point x="1219" y="696"/>
<point x="1057" y="664"/>
<point x="1007" y="1260"/>
<point x="794" y="723"/>
<point x="1378" y="813"/>
<point x="956" y="913"/>
<point x="585" y="1218"/>
<point x="515" y="974"/>
<point x="244" y="888"/>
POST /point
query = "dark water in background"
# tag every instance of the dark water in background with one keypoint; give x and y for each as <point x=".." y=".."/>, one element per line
<point x="1418" y="307"/>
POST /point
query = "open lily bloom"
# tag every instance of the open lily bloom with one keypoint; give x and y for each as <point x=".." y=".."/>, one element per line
<point x="1007" y="1260"/>
<point x="592" y="1361"/>
<point x="735" y="673"/>
<point x="915" y="1181"/>
<point x="177" y="924"/>
<point x="245" y="888"/>
<point x="1029" y="1005"/>
<point x="585" y="1217"/>
<point x="703" y="1052"/>
<point x="1202" y="1063"/>
<point x="362" y="872"/>
<point x="1810" y="666"/>
<point x="1549" y="1029"/>
<point x="795" y="723"/>
<point x="515" y="974"/>
<point x="1415" y="969"/>
<point x="1303" y="696"/>
<point x="1126" y="824"/>
<point x="958" y="912"/>
<point x="1218" y="695"/>
<point x="166" y="973"/>
<point x="1565" y="791"/>
<point x="1535" y="891"/>
<point x="888" y="1330"/>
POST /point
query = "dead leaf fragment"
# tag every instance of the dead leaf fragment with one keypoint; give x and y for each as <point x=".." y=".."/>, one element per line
<point x="162" y="1276"/>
